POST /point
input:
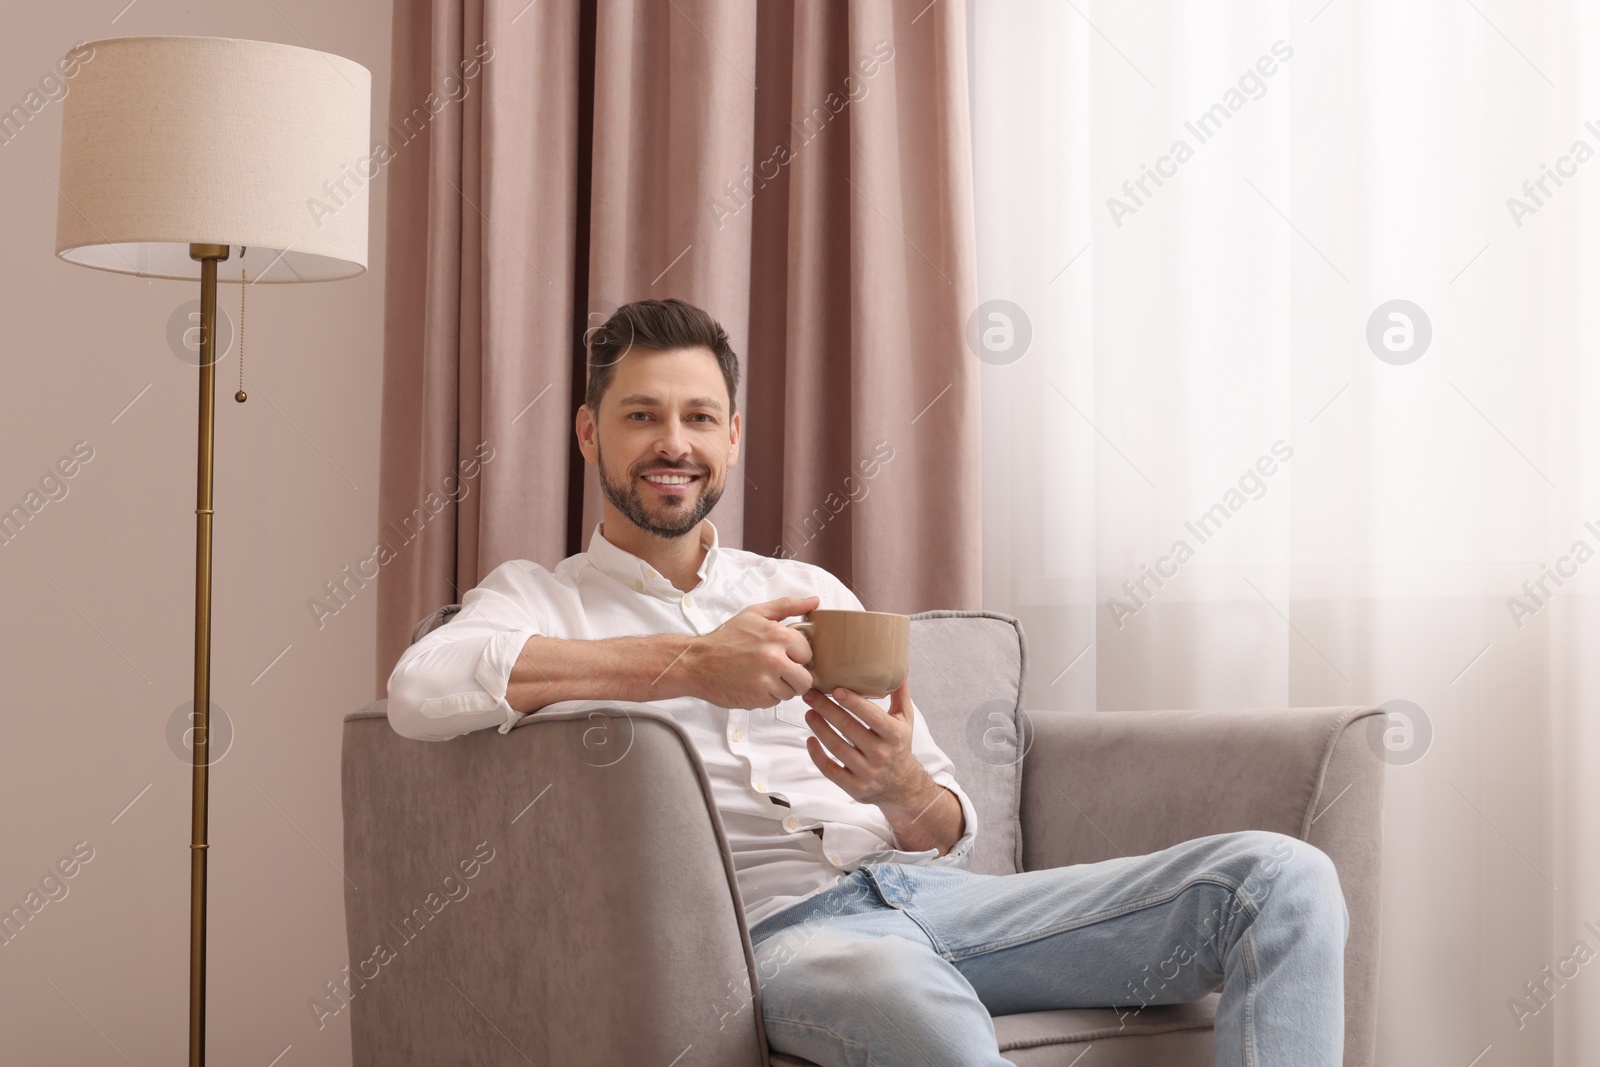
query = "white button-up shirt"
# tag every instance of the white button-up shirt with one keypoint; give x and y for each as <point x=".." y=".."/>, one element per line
<point x="772" y="798"/>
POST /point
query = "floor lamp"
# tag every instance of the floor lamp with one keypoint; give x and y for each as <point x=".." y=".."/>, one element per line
<point x="180" y="153"/>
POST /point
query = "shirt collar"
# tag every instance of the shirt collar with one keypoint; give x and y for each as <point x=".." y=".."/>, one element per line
<point x="636" y="574"/>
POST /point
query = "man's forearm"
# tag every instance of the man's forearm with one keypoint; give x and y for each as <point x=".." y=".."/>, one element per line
<point x="932" y="819"/>
<point x="551" y="669"/>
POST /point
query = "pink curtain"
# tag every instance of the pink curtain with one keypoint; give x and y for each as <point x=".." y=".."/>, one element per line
<point x="799" y="168"/>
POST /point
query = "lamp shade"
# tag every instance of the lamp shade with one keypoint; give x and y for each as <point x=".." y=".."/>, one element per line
<point x="172" y="141"/>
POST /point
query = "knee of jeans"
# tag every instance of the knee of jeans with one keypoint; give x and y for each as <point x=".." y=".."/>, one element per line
<point x="1303" y="874"/>
<point x="1272" y="860"/>
<point x="1326" y="888"/>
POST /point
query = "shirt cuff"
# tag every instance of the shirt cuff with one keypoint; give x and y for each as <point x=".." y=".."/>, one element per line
<point x="494" y="669"/>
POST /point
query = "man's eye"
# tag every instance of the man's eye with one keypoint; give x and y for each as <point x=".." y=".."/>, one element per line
<point x="646" y="415"/>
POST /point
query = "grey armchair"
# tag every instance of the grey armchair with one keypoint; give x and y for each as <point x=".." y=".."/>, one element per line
<point x="563" y="894"/>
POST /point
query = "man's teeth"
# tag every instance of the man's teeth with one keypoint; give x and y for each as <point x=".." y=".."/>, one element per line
<point x="675" y="479"/>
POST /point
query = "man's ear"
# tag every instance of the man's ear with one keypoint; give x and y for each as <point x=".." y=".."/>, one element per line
<point x="584" y="425"/>
<point x="733" y="439"/>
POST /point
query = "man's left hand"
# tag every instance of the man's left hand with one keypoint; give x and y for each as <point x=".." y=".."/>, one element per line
<point x="875" y="764"/>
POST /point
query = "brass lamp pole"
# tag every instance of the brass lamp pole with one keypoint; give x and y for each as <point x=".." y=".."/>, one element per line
<point x="209" y="256"/>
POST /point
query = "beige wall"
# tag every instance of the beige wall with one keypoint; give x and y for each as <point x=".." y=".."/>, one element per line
<point x="98" y="604"/>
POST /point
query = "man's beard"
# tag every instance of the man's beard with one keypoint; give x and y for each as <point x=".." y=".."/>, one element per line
<point x="627" y="498"/>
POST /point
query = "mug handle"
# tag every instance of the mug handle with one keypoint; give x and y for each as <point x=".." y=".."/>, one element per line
<point x="804" y="626"/>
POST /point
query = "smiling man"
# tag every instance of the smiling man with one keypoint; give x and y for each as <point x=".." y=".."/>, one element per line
<point x="807" y="789"/>
<point x="849" y="834"/>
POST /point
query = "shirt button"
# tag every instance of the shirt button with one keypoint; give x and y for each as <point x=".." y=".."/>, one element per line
<point x="738" y="735"/>
<point x="834" y="860"/>
<point x="791" y="822"/>
<point x="639" y="586"/>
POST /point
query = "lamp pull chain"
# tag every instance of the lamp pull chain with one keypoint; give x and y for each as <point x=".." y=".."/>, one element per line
<point x="240" y="395"/>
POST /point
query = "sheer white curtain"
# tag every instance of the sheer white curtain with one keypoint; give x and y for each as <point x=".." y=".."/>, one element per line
<point x="1358" y="521"/>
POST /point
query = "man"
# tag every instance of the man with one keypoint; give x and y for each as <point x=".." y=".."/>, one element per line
<point x="850" y="836"/>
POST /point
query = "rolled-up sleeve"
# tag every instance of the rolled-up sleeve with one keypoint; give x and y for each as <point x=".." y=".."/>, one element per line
<point x="960" y="853"/>
<point x="454" y="680"/>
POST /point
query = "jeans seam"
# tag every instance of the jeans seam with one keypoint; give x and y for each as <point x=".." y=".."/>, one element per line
<point x="803" y="1024"/>
<point x="1091" y="920"/>
<point x="1248" y="1023"/>
<point x="1247" y="905"/>
<point x="938" y="945"/>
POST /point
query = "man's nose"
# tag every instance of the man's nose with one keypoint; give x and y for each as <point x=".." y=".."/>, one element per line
<point x="673" y="443"/>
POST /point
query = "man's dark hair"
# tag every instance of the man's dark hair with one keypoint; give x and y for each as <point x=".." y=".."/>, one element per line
<point x="661" y="325"/>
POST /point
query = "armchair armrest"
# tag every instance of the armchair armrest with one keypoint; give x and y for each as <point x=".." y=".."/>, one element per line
<point x="1096" y="785"/>
<point x="606" y="926"/>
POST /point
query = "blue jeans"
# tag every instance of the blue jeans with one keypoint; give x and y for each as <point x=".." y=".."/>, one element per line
<point x="905" y="964"/>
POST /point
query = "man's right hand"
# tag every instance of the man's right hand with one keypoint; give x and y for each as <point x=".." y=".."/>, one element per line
<point x="753" y="660"/>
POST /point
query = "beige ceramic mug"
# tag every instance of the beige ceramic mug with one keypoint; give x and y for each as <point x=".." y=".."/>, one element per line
<point x="864" y="651"/>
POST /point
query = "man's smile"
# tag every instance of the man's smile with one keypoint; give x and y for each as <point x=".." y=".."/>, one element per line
<point x="671" y="483"/>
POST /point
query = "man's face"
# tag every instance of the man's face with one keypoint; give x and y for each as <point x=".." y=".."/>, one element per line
<point x="664" y="414"/>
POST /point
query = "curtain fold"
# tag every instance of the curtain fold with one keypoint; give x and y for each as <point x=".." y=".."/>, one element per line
<point x="802" y="170"/>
